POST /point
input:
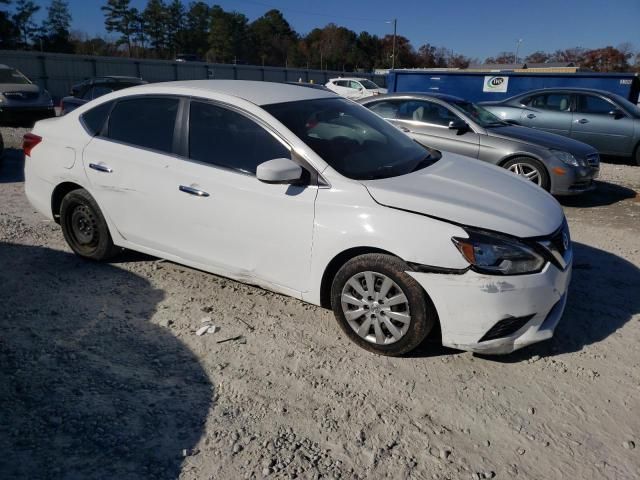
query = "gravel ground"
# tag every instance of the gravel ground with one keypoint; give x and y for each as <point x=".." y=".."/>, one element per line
<point x="102" y="374"/>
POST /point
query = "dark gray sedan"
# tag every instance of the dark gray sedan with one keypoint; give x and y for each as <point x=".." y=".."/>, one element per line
<point x="602" y="119"/>
<point x="559" y="165"/>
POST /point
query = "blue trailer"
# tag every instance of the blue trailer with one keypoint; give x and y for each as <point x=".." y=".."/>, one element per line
<point x="484" y="86"/>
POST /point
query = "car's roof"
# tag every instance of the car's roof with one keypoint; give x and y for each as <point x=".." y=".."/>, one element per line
<point x="259" y="93"/>
<point x="564" y="89"/>
<point x="439" y="96"/>
<point x="348" y="78"/>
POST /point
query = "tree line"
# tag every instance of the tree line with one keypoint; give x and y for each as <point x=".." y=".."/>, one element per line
<point x="167" y="28"/>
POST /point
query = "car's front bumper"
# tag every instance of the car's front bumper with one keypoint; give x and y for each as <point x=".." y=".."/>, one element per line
<point x="574" y="180"/>
<point x="469" y="305"/>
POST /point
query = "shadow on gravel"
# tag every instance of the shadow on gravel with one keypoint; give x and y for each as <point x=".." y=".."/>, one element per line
<point x="89" y="388"/>
<point x="602" y="298"/>
<point x="12" y="166"/>
<point x="605" y="194"/>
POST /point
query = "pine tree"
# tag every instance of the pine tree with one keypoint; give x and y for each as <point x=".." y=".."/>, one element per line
<point x="56" y="27"/>
<point x="175" y="26"/>
<point x="23" y="20"/>
<point x="119" y="18"/>
<point x="155" y="22"/>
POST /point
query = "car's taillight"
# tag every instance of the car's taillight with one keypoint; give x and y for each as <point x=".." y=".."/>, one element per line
<point x="29" y="141"/>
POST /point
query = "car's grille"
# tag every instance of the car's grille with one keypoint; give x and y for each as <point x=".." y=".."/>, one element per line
<point x="593" y="160"/>
<point x="21" y="95"/>
<point x="559" y="246"/>
<point x="506" y="327"/>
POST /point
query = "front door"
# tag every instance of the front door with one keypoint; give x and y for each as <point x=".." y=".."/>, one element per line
<point x="596" y="123"/>
<point x="226" y="217"/>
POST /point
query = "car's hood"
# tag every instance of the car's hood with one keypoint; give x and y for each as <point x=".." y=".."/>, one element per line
<point x="473" y="193"/>
<point x="19" y="87"/>
<point x="541" y="138"/>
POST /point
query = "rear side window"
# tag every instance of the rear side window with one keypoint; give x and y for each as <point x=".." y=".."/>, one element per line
<point x="227" y="139"/>
<point x="145" y="122"/>
<point x="93" y="120"/>
<point x="557" y="102"/>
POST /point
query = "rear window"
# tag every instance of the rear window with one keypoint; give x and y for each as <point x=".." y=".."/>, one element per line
<point x="93" y="120"/>
<point x="145" y="122"/>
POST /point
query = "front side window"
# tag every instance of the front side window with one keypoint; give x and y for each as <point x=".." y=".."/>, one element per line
<point x="227" y="139"/>
<point x="480" y="115"/>
<point x="353" y="140"/>
<point x="100" y="90"/>
<point x="354" y="85"/>
<point x="144" y="122"/>
<point x="593" y="104"/>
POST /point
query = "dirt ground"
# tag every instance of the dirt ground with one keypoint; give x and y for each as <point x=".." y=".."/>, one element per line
<point x="103" y="376"/>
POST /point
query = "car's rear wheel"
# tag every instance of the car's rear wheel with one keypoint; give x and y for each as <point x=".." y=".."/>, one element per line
<point x="636" y="157"/>
<point x="84" y="226"/>
<point x="531" y="169"/>
<point x="379" y="306"/>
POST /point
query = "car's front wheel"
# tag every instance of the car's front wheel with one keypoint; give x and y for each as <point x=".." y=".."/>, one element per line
<point x="84" y="227"/>
<point x="379" y="306"/>
<point x="531" y="169"/>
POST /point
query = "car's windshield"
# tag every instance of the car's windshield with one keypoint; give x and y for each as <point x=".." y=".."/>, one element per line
<point x="354" y="141"/>
<point x="482" y="117"/>
<point x="9" y="75"/>
<point x="627" y="105"/>
<point x="369" y="85"/>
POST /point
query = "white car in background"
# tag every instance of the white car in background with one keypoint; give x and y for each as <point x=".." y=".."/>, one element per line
<point x="311" y="195"/>
<point x="354" y="88"/>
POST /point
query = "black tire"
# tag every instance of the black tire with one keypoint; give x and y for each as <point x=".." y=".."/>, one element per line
<point x="545" y="181"/>
<point x="84" y="226"/>
<point x="423" y="315"/>
<point x="636" y="157"/>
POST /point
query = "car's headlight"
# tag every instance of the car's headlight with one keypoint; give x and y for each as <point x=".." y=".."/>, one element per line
<point x="498" y="255"/>
<point x="567" y="158"/>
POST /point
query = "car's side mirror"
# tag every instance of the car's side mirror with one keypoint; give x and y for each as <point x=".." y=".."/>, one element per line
<point x="459" y="125"/>
<point x="616" y="113"/>
<point x="279" y="170"/>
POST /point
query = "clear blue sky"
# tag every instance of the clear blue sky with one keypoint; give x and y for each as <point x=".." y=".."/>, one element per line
<point x="476" y="28"/>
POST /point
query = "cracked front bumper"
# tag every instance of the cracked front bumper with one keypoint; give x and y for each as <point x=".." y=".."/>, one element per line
<point x="470" y="304"/>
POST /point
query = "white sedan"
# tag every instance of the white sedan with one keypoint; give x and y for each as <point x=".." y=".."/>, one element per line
<point x="305" y="193"/>
<point x="354" y="88"/>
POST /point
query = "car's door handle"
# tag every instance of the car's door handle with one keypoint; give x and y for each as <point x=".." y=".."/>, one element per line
<point x="101" y="167"/>
<point x="405" y="129"/>
<point x="192" y="191"/>
<point x="582" y="120"/>
<point x="531" y="115"/>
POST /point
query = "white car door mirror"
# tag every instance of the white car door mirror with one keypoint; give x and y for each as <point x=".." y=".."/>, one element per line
<point x="279" y="170"/>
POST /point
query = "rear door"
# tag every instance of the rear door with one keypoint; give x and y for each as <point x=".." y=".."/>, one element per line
<point x="428" y="123"/>
<point x="549" y="111"/>
<point x="128" y="164"/>
<point x="595" y="123"/>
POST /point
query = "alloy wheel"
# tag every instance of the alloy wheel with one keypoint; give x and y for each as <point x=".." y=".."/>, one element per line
<point x="527" y="171"/>
<point x="375" y="307"/>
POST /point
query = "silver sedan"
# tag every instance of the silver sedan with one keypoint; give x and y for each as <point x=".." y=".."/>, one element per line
<point x="560" y="165"/>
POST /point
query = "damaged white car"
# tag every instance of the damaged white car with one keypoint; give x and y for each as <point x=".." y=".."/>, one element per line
<point x="305" y="193"/>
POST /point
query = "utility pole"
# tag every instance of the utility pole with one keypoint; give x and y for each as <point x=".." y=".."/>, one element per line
<point x="515" y="59"/>
<point x="393" y="47"/>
